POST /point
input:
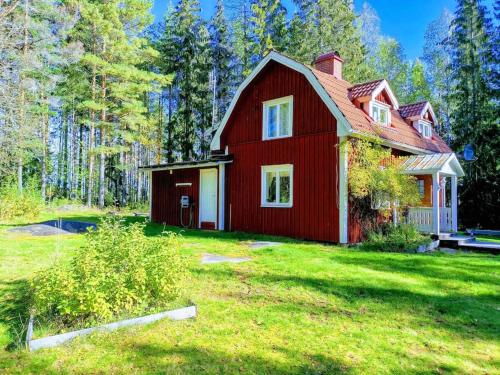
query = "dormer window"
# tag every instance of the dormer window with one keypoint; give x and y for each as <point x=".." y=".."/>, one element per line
<point x="380" y="113"/>
<point x="425" y="129"/>
<point x="277" y="118"/>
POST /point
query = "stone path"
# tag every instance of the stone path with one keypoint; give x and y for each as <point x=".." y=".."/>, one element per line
<point x="213" y="258"/>
<point x="255" y="245"/>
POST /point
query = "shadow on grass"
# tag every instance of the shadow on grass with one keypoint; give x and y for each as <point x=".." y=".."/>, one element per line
<point x="466" y="268"/>
<point x="14" y="310"/>
<point x="196" y="360"/>
<point x="468" y="315"/>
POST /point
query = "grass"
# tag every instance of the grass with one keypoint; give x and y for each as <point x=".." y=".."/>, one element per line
<point x="299" y="308"/>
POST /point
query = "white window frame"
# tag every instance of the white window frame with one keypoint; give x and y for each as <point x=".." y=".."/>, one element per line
<point x="265" y="110"/>
<point x="276" y="169"/>
<point x="425" y="128"/>
<point x="380" y="106"/>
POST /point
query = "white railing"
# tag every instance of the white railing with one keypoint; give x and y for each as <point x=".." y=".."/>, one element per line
<point x="421" y="217"/>
<point x="445" y="223"/>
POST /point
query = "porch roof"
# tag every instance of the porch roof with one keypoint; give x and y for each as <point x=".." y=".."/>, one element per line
<point x="446" y="164"/>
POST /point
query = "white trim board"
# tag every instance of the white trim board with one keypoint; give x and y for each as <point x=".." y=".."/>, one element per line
<point x="385" y="85"/>
<point x="343" y="126"/>
<point x="186" y="166"/>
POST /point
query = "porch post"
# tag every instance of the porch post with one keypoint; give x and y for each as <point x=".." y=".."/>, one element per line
<point x="435" y="203"/>
<point x="454" y="204"/>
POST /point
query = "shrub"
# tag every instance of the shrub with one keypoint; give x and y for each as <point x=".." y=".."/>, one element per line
<point x="118" y="271"/>
<point x="14" y="204"/>
<point x="391" y="238"/>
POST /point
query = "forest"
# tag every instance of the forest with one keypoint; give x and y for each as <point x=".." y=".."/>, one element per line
<point x="91" y="90"/>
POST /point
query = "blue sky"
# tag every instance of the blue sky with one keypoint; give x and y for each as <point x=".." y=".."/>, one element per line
<point x="404" y="20"/>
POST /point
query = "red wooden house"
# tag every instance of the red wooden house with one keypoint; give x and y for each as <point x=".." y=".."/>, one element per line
<point x="276" y="165"/>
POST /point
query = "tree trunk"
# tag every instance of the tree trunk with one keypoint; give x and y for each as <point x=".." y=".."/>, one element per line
<point x="102" y="156"/>
<point x="22" y="98"/>
<point x="170" y="143"/>
<point x="20" y="175"/>
<point x="92" y="129"/>
<point x="45" y="141"/>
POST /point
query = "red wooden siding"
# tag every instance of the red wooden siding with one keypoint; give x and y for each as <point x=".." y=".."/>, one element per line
<point x="166" y="196"/>
<point x="312" y="150"/>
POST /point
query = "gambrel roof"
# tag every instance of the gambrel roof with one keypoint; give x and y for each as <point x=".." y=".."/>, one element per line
<point x="337" y="94"/>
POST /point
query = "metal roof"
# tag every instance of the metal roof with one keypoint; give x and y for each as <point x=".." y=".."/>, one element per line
<point x="431" y="163"/>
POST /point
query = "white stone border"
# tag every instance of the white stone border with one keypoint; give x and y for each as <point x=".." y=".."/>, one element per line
<point x="51" y="341"/>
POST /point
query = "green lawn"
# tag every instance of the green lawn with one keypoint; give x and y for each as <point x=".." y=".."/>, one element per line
<point x="300" y="308"/>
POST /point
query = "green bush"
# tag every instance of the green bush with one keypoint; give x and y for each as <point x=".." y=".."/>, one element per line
<point x="395" y="238"/>
<point x="14" y="205"/>
<point x="118" y="271"/>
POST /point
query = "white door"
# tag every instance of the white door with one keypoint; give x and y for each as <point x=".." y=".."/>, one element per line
<point x="208" y="196"/>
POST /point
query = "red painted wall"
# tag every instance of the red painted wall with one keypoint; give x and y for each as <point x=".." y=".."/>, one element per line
<point x="166" y="196"/>
<point x="312" y="150"/>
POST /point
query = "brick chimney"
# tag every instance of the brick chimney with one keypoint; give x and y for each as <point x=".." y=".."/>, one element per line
<point x="330" y="63"/>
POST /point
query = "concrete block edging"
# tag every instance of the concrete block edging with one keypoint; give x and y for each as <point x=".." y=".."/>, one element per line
<point x="56" y="340"/>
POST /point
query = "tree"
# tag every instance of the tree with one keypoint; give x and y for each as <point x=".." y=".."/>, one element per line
<point x="187" y="24"/>
<point x="437" y="57"/>
<point x="474" y="118"/>
<point x="243" y="39"/>
<point x="392" y="66"/>
<point x="223" y="60"/>
<point x="329" y="26"/>
<point x="368" y="24"/>
<point x="419" y="89"/>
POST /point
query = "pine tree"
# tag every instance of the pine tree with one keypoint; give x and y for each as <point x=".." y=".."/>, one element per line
<point x="437" y="56"/>
<point x="203" y="69"/>
<point x="167" y="65"/>
<point x="474" y="120"/>
<point x="330" y="26"/>
<point x="187" y="24"/>
<point x="223" y="61"/>
<point x="243" y="45"/>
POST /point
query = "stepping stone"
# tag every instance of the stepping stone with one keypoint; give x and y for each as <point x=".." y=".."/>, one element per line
<point x="255" y="245"/>
<point x="213" y="258"/>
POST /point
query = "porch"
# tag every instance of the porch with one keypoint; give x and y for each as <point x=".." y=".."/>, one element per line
<point x="437" y="176"/>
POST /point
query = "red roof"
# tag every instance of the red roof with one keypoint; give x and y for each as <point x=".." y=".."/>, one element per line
<point x="400" y="131"/>
<point x="410" y="110"/>
<point x="363" y="89"/>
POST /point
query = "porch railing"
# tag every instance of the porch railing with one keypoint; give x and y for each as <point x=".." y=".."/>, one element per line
<point x="421" y="217"/>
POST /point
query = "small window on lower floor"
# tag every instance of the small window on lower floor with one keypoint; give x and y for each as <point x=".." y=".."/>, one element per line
<point x="421" y="188"/>
<point x="277" y="185"/>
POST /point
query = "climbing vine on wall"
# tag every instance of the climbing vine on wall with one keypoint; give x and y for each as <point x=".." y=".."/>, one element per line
<point x="377" y="184"/>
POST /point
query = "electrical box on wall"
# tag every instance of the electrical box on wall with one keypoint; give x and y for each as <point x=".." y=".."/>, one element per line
<point x="185" y="201"/>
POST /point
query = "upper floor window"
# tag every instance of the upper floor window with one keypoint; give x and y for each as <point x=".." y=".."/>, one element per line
<point x="277" y="185"/>
<point x="278" y="115"/>
<point x="380" y="113"/>
<point x="425" y="129"/>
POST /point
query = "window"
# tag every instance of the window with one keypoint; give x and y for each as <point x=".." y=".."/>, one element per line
<point x="278" y="115"/>
<point x="421" y="188"/>
<point x="277" y="185"/>
<point x="425" y="129"/>
<point x="380" y="113"/>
